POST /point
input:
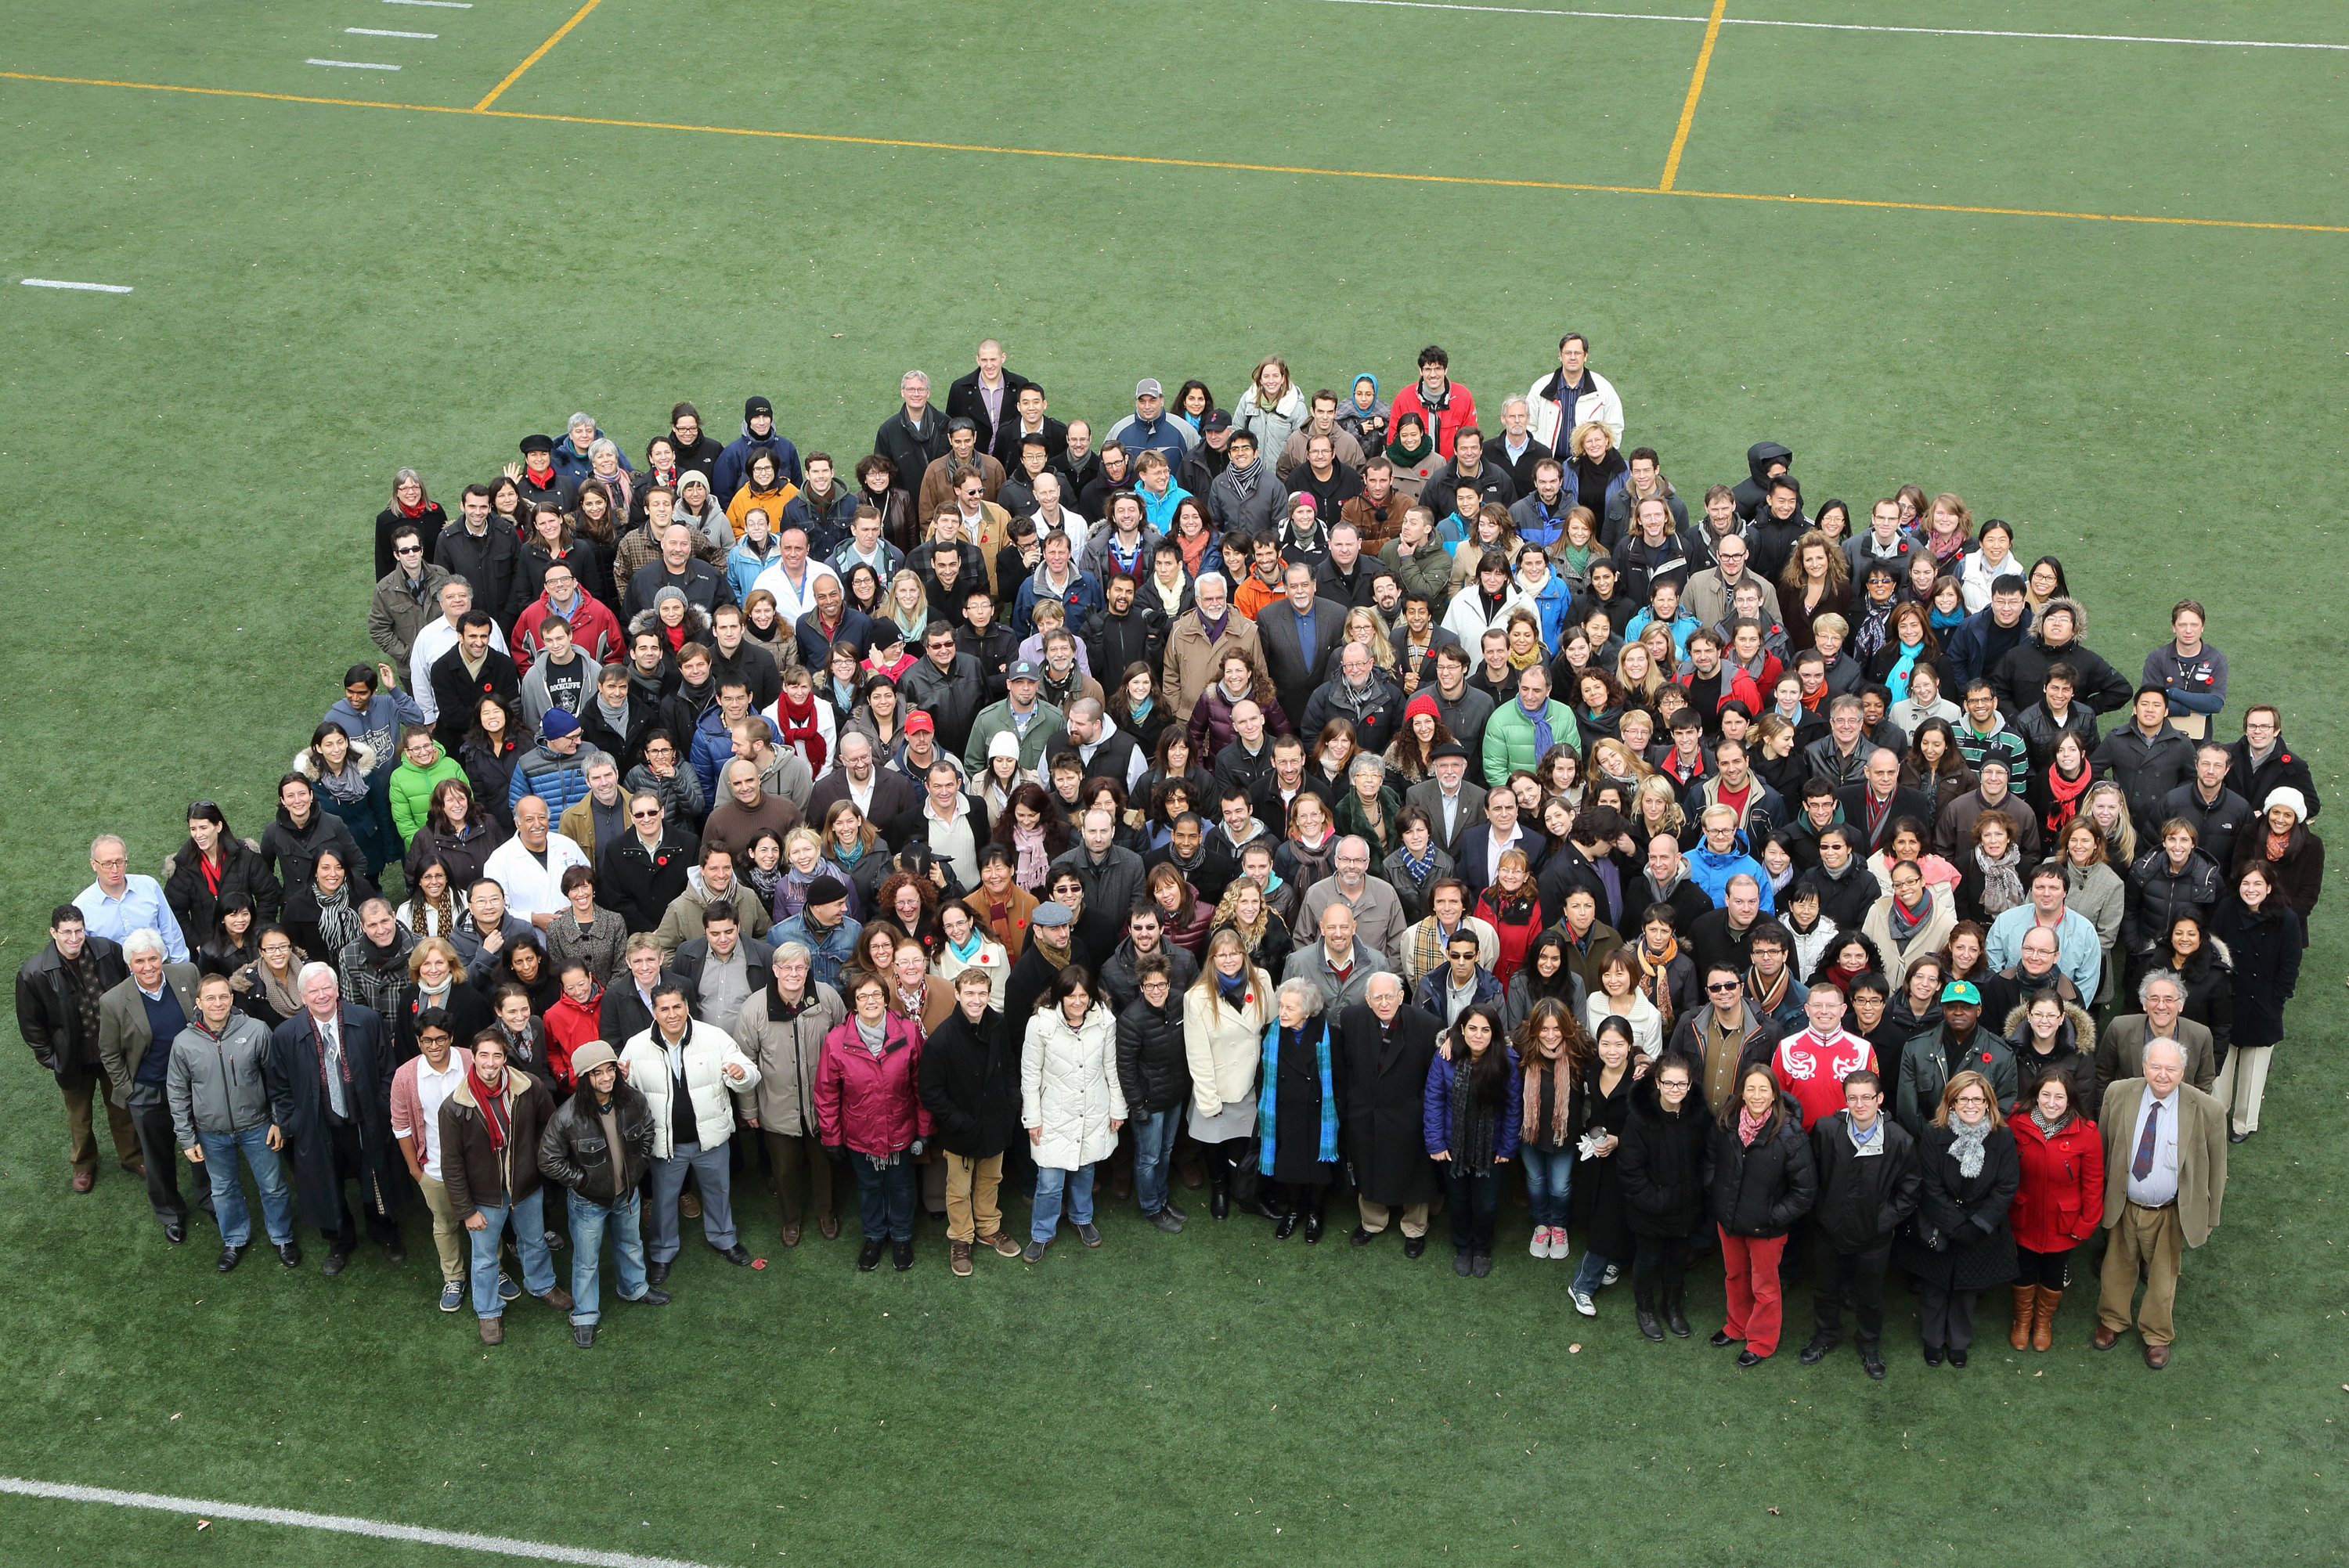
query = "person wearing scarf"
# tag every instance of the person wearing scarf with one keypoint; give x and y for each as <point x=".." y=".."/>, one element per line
<point x="489" y="1164"/>
<point x="1656" y="971"/>
<point x="2002" y="883"/>
<point x="1964" y="1241"/>
<point x="2063" y="796"/>
<point x="1035" y="863"/>
<point x="1411" y="451"/>
<point x="795" y="717"/>
<point x="1300" y="1096"/>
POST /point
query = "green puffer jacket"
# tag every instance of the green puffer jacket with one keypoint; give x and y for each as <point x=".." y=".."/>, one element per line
<point x="410" y="788"/>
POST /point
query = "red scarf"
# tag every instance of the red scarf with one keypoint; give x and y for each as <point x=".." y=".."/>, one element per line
<point x="800" y="730"/>
<point x="496" y="1115"/>
<point x="2064" y="798"/>
<point x="416" y="511"/>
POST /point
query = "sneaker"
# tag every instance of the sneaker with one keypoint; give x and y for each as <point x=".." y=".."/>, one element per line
<point x="452" y="1294"/>
<point x="1090" y="1234"/>
<point x="507" y="1289"/>
<point x="1558" y="1249"/>
<point x="1003" y="1243"/>
<point x="1612" y="1276"/>
<point x="1540" y="1248"/>
<point x="583" y="1335"/>
<point x="1034" y="1252"/>
<point x="1582" y="1302"/>
<point x="1872" y="1363"/>
<point x="901" y="1256"/>
<point x="868" y="1257"/>
<point x="1817" y="1350"/>
<point x="958" y="1259"/>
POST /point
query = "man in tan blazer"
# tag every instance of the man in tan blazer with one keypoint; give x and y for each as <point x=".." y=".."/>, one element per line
<point x="134" y="1056"/>
<point x="2164" y="1176"/>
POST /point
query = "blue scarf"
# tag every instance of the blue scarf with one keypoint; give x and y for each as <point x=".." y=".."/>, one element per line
<point x="966" y="955"/>
<point x="847" y="858"/>
<point x="1896" y="679"/>
<point x="1540" y="721"/>
<point x="1417" y="867"/>
<point x="1232" y="986"/>
<point x="1267" y="1103"/>
<point x="1140" y="711"/>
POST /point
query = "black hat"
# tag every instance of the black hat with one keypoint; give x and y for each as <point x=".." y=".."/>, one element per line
<point x="537" y="444"/>
<point x="754" y="407"/>
<point x="1449" y="748"/>
<point x="826" y="890"/>
<point x="1217" y="420"/>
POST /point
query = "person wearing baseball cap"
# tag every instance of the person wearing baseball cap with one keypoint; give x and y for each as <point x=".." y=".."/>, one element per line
<point x="1020" y="714"/>
<point x="598" y="1145"/>
<point x="1959" y="1044"/>
<point x="1151" y="425"/>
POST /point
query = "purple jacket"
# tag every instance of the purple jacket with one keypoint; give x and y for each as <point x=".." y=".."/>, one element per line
<point x="1444" y="1077"/>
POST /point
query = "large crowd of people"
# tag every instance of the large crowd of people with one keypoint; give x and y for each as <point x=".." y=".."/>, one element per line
<point x="1307" y="793"/>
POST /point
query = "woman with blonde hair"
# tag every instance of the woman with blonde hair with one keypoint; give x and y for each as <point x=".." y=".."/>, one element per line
<point x="1367" y="628"/>
<point x="1264" y="934"/>
<point x="1962" y="1243"/>
<point x="909" y="605"/>
<point x="1271" y="409"/>
<point x="1656" y="809"/>
<point x="1225" y="1015"/>
<point x="2095" y="891"/>
<point x="851" y="850"/>
<point x="1592" y="465"/>
<point x="1637" y="672"/>
<point x="2107" y="807"/>
<point x="1948" y="529"/>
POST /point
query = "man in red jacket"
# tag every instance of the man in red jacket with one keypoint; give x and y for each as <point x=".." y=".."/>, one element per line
<point x="1443" y="405"/>
<point x="1812" y="1063"/>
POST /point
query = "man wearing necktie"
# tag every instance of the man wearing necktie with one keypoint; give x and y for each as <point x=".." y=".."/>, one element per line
<point x="331" y="1089"/>
<point x="2166" y="1175"/>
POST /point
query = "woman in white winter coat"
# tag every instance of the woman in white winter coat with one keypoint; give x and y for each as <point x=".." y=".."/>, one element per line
<point x="1071" y="1104"/>
<point x="1272" y="409"/>
<point x="1224" y="1018"/>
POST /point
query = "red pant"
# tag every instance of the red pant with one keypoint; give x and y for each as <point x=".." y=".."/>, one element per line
<point x="1751" y="1265"/>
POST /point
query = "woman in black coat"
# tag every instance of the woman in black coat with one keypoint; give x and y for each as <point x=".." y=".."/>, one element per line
<point x="1761" y="1178"/>
<point x="1609" y="1079"/>
<point x="1960" y="1243"/>
<point x="2208" y="971"/>
<point x="1660" y="1166"/>
<point x="2265" y="937"/>
<point x="1297" y="1110"/>
<point x="208" y="866"/>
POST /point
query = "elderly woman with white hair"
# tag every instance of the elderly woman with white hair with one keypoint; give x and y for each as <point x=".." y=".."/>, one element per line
<point x="1297" y="1111"/>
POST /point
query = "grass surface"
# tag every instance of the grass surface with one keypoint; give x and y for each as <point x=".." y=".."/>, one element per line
<point x="323" y="292"/>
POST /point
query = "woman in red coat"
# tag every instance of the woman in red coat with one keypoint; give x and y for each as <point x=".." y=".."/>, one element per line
<point x="1513" y="907"/>
<point x="866" y="1103"/>
<point x="2056" y="1207"/>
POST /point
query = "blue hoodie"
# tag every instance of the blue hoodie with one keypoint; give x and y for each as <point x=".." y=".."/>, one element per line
<point x="1712" y="872"/>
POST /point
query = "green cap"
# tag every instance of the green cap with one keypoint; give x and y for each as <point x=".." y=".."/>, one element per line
<point x="1961" y="990"/>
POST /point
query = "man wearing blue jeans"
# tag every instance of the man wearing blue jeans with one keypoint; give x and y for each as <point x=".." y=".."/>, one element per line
<point x="490" y="1127"/>
<point x="1154" y="1072"/>
<point x="688" y="1072"/>
<point x="216" y="1083"/>
<point x="599" y="1146"/>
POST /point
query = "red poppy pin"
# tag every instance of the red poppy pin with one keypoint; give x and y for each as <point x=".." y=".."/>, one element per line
<point x="663" y="859"/>
<point x="1985" y="1056"/>
<point x="1250" y="997"/>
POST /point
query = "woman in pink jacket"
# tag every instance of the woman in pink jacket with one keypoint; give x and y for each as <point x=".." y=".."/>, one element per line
<point x="866" y="1104"/>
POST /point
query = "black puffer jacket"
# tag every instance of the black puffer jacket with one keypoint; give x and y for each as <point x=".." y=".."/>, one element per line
<point x="574" y="1153"/>
<point x="1761" y="1191"/>
<point x="1661" y="1165"/>
<point x="1862" y="1199"/>
<point x="1152" y="1066"/>
<point x="969" y="1079"/>
<point x="2158" y="895"/>
<point x="192" y="898"/>
<point x="290" y="854"/>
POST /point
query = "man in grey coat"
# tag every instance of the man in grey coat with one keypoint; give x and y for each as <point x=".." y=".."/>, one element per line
<point x="218" y="1082"/>
<point x="1340" y="965"/>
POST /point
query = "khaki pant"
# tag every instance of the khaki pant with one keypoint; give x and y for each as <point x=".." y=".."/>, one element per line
<point x="2243" y="1083"/>
<point x="448" y="1235"/>
<point x="82" y="1088"/>
<point x="972" y="1211"/>
<point x="1375" y="1216"/>
<point x="803" y="1174"/>
<point x="2155" y="1238"/>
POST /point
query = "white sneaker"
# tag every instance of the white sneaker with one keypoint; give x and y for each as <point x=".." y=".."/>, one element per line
<point x="1583" y="1303"/>
<point x="1612" y="1276"/>
<point x="1541" y="1247"/>
<point x="1557" y="1244"/>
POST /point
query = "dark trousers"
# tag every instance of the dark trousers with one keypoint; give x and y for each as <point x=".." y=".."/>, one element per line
<point x="2049" y="1271"/>
<point x="82" y="1088"/>
<point x="1660" y="1263"/>
<point x="1233" y="1165"/>
<point x="1945" y="1317"/>
<point x="802" y="1172"/>
<point x="885" y="1197"/>
<point x="159" y="1144"/>
<point x="1856" y="1278"/>
<point x="1471" y="1202"/>
<point x="1300" y="1197"/>
<point x="349" y="1168"/>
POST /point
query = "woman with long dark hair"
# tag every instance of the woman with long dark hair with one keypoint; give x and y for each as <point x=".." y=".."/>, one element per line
<point x="1762" y="1179"/>
<point x="1471" y="1120"/>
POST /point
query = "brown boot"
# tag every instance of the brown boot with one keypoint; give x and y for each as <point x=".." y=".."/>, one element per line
<point x="493" y="1331"/>
<point x="559" y="1299"/>
<point x="958" y="1258"/>
<point x="2042" y="1318"/>
<point x="2025" y="1295"/>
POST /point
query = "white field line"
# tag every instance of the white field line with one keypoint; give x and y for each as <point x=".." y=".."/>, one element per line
<point x="387" y="33"/>
<point x="87" y="288"/>
<point x="341" y="1524"/>
<point x="352" y="65"/>
<point x="1842" y="26"/>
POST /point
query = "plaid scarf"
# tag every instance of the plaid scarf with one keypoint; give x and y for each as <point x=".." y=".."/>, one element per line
<point x="1770" y="997"/>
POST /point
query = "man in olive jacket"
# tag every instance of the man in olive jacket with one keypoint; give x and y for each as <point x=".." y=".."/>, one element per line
<point x="1869" y="1181"/>
<point x="599" y="1146"/>
<point x="969" y="1081"/>
<point x="2165" y="1178"/>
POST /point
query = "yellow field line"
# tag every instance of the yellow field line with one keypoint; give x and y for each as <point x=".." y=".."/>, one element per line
<point x="1696" y="91"/>
<point x="839" y="140"/>
<point x="537" y="54"/>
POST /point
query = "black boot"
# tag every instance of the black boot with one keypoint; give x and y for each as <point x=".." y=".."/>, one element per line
<point x="1219" y="1193"/>
<point x="1287" y="1226"/>
<point x="1673" y="1318"/>
<point x="1644" y="1309"/>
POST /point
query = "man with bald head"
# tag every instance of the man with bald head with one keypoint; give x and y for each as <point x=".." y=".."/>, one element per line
<point x="2165" y="1178"/>
<point x="883" y="794"/>
<point x="1380" y="1061"/>
<point x="1879" y="799"/>
<point x="530" y="865"/>
<point x="1107" y="751"/>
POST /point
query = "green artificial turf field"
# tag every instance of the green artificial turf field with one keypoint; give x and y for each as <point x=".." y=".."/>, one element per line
<point x="324" y="290"/>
